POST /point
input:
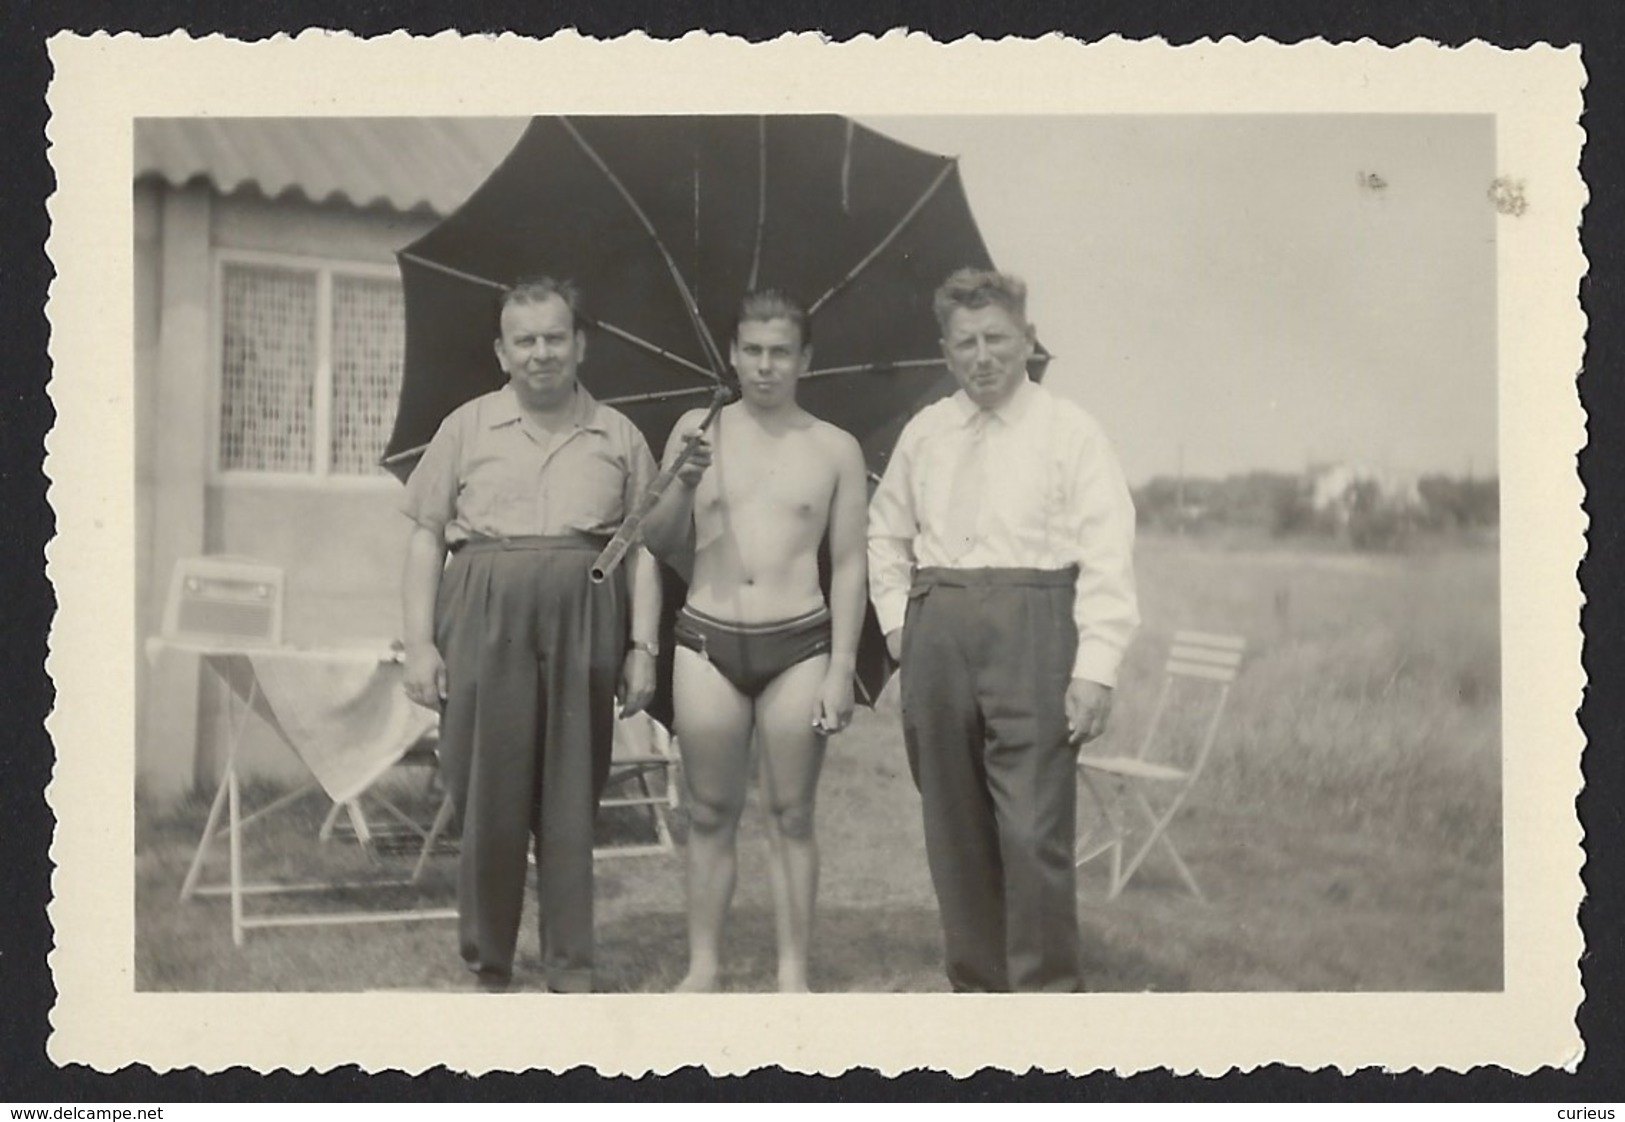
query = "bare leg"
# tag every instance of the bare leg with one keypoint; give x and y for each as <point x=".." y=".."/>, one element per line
<point x="791" y="756"/>
<point x="778" y="878"/>
<point x="713" y="735"/>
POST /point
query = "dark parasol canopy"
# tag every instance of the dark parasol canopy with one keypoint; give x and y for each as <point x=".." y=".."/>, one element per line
<point x="666" y="222"/>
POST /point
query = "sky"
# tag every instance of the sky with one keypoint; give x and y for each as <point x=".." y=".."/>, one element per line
<point x="1234" y="293"/>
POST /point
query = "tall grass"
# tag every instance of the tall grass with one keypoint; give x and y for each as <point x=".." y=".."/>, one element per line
<point x="1370" y="694"/>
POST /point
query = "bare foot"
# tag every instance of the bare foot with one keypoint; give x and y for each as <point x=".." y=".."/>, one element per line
<point x="697" y="981"/>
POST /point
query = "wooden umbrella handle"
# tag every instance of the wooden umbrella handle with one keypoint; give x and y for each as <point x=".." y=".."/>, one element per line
<point x="632" y="528"/>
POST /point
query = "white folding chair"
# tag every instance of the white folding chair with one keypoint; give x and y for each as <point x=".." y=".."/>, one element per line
<point x="643" y="777"/>
<point x="1156" y="780"/>
<point x="400" y="828"/>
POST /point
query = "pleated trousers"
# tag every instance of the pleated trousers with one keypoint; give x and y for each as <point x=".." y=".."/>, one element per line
<point x="987" y="657"/>
<point x="533" y="654"/>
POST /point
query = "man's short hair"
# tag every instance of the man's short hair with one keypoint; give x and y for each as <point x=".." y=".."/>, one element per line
<point x="771" y="303"/>
<point x="977" y="288"/>
<point x="539" y="290"/>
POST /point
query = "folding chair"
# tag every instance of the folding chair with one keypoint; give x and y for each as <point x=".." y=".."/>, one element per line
<point x="401" y="829"/>
<point x="643" y="752"/>
<point x="1158" y="778"/>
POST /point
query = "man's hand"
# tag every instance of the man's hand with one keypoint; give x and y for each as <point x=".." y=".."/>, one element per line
<point x="1088" y="705"/>
<point x="425" y="675"/>
<point x="637" y="682"/>
<point x="894" y="645"/>
<point x="699" y="457"/>
<point x="832" y="712"/>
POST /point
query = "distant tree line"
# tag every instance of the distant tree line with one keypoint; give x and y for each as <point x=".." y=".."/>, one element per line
<point x="1335" y="502"/>
<point x="1461" y="503"/>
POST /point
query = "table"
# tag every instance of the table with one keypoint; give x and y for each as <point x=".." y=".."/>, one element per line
<point x="343" y="713"/>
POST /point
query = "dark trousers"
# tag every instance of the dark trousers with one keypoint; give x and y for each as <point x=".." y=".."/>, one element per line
<point x="533" y="653"/>
<point x="986" y="662"/>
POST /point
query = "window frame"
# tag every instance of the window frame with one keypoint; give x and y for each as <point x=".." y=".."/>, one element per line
<point x="320" y="473"/>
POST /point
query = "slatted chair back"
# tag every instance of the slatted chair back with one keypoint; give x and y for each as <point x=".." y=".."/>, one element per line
<point x="1157" y="779"/>
<point x="1198" y="657"/>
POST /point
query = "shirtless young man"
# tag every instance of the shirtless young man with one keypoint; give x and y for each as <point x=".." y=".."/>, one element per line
<point x="760" y="656"/>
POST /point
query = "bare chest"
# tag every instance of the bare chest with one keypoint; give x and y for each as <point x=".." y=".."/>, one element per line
<point x="782" y="477"/>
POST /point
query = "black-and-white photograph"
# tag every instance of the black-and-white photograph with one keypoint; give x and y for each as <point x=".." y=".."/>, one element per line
<point x="598" y="553"/>
<point x="1172" y="439"/>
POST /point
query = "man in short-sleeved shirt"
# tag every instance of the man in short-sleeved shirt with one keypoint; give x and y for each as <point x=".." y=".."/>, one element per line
<point x="521" y="652"/>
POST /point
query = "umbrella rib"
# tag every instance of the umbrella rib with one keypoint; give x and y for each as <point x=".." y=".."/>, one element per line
<point x="693" y="309"/>
<point x="403" y="455"/>
<point x="761" y="201"/>
<point x="618" y="332"/>
<point x="656" y="395"/>
<point x="472" y="278"/>
<point x="872" y="367"/>
<point x="902" y="223"/>
<point x="686" y="364"/>
<point x="846" y="168"/>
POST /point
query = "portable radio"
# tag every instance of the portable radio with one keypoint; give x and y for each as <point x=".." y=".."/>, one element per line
<point x="225" y="600"/>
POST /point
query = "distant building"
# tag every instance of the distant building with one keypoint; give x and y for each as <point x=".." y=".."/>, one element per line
<point x="268" y="348"/>
<point x="1337" y="491"/>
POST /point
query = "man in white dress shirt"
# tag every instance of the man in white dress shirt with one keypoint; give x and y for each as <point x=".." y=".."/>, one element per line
<point x="1001" y="568"/>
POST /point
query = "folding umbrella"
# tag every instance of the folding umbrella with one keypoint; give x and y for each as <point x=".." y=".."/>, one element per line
<point x="665" y="222"/>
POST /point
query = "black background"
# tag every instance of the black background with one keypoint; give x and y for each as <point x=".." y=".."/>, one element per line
<point x="27" y="603"/>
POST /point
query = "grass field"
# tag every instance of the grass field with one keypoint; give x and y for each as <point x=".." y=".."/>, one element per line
<point x="1347" y="832"/>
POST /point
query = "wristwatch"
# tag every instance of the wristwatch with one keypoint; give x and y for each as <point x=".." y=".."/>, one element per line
<point x="650" y="649"/>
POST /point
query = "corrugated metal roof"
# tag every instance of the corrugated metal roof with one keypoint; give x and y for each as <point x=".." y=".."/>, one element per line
<point x="407" y="163"/>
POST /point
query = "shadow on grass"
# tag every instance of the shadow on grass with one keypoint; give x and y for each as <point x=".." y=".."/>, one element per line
<point x="855" y="950"/>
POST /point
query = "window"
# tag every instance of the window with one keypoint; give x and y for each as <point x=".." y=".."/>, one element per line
<point x="310" y="365"/>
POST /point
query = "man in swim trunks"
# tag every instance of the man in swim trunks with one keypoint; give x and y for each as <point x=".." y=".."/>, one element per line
<point x="760" y="655"/>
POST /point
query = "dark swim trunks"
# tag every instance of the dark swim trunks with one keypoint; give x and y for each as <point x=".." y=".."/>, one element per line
<point x="751" y="655"/>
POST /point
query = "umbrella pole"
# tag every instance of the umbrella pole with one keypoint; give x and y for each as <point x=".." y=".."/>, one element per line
<point x="632" y="529"/>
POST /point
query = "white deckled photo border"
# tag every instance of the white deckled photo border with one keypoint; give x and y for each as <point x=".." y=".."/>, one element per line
<point x="103" y="83"/>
